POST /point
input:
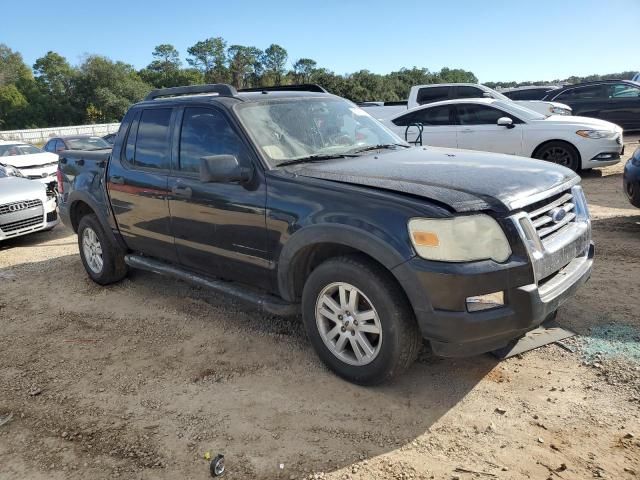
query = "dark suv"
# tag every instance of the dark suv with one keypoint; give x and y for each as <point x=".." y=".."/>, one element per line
<point x="300" y="202"/>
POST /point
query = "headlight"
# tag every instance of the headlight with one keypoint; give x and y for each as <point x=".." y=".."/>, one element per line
<point x="10" y="171"/>
<point x="596" y="133"/>
<point x="459" y="239"/>
<point x="559" y="111"/>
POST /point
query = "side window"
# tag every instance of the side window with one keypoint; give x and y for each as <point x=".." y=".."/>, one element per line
<point x="206" y="132"/>
<point x="152" y="140"/>
<point x="49" y="146"/>
<point x="130" y="145"/>
<point x="471" y="114"/>
<point x="436" y="116"/>
<point x="60" y="146"/>
<point x="468" y="92"/>
<point x="432" y="94"/>
<point x="623" y="90"/>
<point x="583" y="93"/>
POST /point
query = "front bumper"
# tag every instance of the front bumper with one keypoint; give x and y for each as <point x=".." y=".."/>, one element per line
<point x="601" y="152"/>
<point x="49" y="219"/>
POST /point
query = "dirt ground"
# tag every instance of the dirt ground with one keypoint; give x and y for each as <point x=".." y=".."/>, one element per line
<point x="141" y="379"/>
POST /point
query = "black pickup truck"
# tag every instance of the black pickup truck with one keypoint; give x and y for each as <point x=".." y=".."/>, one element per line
<point x="300" y="202"/>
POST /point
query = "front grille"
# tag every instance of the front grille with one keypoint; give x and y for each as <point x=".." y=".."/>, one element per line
<point x="552" y="215"/>
<point x="19" y="206"/>
<point x="21" y="224"/>
<point x="52" y="216"/>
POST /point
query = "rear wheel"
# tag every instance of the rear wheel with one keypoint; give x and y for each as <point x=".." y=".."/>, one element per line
<point x="633" y="192"/>
<point x="103" y="261"/>
<point x="359" y="321"/>
<point x="561" y="153"/>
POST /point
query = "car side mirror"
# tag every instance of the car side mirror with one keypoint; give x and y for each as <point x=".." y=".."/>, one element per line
<point x="223" y="169"/>
<point x="505" y="122"/>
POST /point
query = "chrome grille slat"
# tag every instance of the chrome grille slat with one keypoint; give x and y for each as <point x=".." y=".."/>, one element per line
<point x="546" y="218"/>
<point x="556" y="203"/>
<point x="544" y="232"/>
<point x="24" y="205"/>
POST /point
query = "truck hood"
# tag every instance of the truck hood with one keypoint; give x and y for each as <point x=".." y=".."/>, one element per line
<point x="31" y="160"/>
<point x="465" y="180"/>
<point x="15" y="189"/>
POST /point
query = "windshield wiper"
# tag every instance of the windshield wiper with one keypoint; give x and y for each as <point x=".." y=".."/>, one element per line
<point x="315" y="158"/>
<point x="379" y="147"/>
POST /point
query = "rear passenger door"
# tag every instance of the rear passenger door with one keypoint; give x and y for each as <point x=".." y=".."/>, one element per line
<point x="137" y="183"/>
<point x="433" y="126"/>
<point x="219" y="228"/>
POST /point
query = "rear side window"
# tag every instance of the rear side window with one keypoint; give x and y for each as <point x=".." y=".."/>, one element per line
<point x="623" y="90"/>
<point x="152" y="141"/>
<point x="471" y="114"/>
<point x="468" y="92"/>
<point x="436" y="116"/>
<point x="527" y="94"/>
<point x="432" y="94"/>
<point x="206" y="132"/>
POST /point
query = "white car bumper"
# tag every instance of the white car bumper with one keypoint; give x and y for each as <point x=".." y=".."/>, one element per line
<point x="27" y="217"/>
<point x="601" y="152"/>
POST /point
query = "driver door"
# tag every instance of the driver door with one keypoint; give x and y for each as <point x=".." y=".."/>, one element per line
<point x="219" y="228"/>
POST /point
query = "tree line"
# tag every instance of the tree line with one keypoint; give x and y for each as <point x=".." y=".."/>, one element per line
<point x="99" y="90"/>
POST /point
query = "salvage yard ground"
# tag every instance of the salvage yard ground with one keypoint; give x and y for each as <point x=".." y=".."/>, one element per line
<point x="139" y="380"/>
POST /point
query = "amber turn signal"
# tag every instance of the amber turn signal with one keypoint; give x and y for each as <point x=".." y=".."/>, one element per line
<point x="426" y="239"/>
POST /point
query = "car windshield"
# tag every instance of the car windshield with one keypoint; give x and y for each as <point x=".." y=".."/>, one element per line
<point x="291" y="129"/>
<point x="18" y="149"/>
<point x="87" y="143"/>
<point x="522" y="112"/>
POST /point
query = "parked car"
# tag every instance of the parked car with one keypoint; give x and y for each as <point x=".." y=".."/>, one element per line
<point x="505" y="127"/>
<point x="25" y="206"/>
<point x="75" y="142"/>
<point x="30" y="161"/>
<point x="110" y="138"/>
<point x="631" y="179"/>
<point x="636" y="77"/>
<point x="301" y="202"/>
<point x="530" y="92"/>
<point x="426" y="94"/>
<point x="617" y="101"/>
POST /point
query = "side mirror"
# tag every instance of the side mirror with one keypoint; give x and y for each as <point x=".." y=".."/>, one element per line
<point x="505" y="122"/>
<point x="223" y="169"/>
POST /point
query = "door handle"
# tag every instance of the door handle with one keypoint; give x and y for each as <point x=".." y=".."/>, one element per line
<point x="466" y="130"/>
<point x="80" y="162"/>
<point x="184" y="192"/>
<point x="117" y="180"/>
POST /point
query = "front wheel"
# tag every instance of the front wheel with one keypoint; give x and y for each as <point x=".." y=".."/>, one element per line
<point x="359" y="321"/>
<point x="103" y="261"/>
<point x="561" y="153"/>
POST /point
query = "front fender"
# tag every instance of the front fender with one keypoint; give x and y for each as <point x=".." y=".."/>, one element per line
<point x="382" y="250"/>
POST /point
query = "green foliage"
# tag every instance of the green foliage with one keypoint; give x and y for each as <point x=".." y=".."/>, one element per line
<point x="56" y="93"/>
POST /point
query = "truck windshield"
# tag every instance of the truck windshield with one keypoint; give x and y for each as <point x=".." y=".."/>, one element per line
<point x="290" y="129"/>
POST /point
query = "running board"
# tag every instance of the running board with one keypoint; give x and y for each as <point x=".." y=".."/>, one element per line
<point x="263" y="301"/>
<point x="547" y="333"/>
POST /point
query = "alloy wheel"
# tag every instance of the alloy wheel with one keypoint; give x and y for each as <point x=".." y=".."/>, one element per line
<point x="92" y="250"/>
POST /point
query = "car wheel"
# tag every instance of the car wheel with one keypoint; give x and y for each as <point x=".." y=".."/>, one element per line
<point x="103" y="261"/>
<point x="359" y="320"/>
<point x="561" y="153"/>
<point x="633" y="193"/>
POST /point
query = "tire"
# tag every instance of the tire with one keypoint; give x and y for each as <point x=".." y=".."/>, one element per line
<point x="381" y="306"/>
<point x="93" y="243"/>
<point x="559" y="152"/>
<point x="632" y="189"/>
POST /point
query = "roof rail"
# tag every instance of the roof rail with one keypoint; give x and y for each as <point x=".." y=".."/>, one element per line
<point x="221" y="89"/>
<point x="305" y="87"/>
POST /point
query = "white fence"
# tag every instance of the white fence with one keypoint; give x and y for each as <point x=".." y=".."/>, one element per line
<point x="41" y="135"/>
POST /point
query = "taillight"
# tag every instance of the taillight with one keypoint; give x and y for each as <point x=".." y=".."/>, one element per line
<point x="59" y="178"/>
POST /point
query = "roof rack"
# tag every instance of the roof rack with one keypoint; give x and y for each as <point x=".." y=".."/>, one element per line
<point x="221" y="89"/>
<point x="305" y="87"/>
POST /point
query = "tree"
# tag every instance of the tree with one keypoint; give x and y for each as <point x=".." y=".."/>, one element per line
<point x="242" y="63"/>
<point x="166" y="69"/>
<point x="166" y="58"/>
<point x="12" y="107"/>
<point x="208" y="56"/>
<point x="302" y="69"/>
<point x="55" y="82"/>
<point x="275" y="60"/>
<point x="12" y="68"/>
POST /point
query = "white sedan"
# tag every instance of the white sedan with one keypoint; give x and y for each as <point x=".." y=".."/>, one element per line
<point x="505" y="127"/>
<point x="32" y="162"/>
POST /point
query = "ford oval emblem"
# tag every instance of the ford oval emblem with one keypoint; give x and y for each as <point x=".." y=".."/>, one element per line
<point x="558" y="214"/>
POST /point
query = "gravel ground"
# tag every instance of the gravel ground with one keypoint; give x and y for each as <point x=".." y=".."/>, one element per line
<point x="142" y="379"/>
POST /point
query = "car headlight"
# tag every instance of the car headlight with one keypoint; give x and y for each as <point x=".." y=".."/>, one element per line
<point x="10" y="171"/>
<point x="559" y="111"/>
<point x="596" y="133"/>
<point x="459" y="239"/>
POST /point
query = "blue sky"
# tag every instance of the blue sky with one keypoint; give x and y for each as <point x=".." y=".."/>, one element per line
<point x="497" y="39"/>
